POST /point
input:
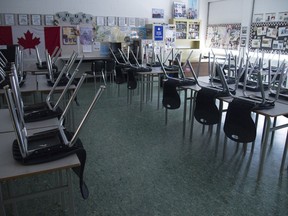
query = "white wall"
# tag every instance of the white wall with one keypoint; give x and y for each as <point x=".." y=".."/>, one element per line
<point x="123" y="8"/>
<point x="134" y="8"/>
<point x="269" y="6"/>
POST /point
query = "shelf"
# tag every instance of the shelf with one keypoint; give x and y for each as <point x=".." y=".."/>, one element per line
<point x="187" y="33"/>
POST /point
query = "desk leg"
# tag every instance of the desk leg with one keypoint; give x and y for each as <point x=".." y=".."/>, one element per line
<point x="71" y="196"/>
<point x="192" y="116"/>
<point x="12" y="194"/>
<point x="151" y="91"/>
<point x="284" y="154"/>
<point x="141" y="92"/>
<point x="264" y="146"/>
<point x="2" y="207"/>
<point x="219" y="126"/>
<point x="159" y="88"/>
<point x="184" y="112"/>
<point x="147" y="88"/>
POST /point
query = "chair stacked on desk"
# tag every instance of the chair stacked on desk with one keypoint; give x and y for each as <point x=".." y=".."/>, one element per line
<point x="239" y="125"/>
<point x="127" y="64"/>
<point x="5" y="67"/>
<point x="50" y="144"/>
<point x="172" y="85"/>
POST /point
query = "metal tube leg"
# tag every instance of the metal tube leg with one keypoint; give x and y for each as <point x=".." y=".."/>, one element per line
<point x="70" y="190"/>
<point x="141" y="91"/>
<point x="184" y="112"/>
<point x="12" y="194"/>
<point x="166" y="116"/>
<point x="284" y="154"/>
<point x="158" y="98"/>
<point x="273" y="132"/>
<point x="192" y="119"/>
<point x="2" y="207"/>
<point x="264" y="146"/>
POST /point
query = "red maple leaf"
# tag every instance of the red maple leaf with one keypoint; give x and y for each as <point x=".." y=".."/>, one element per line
<point x="29" y="42"/>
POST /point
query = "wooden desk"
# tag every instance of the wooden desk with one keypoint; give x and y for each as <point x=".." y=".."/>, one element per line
<point x="147" y="78"/>
<point x="10" y="169"/>
<point x="29" y="87"/>
<point x="30" y="66"/>
<point x="8" y="126"/>
<point x="280" y="109"/>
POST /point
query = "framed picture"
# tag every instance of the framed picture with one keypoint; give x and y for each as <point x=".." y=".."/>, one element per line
<point x="179" y="10"/>
<point x="256" y="43"/>
<point x="132" y="21"/>
<point x="243" y="42"/>
<point x="270" y="17"/>
<point x="9" y="19"/>
<point x="267" y="42"/>
<point x="244" y="30"/>
<point x="157" y="13"/>
<point x="111" y="21"/>
<point x="36" y="19"/>
<point x="49" y="20"/>
<point x="193" y="8"/>
<point x="283" y="31"/>
<point x="100" y="21"/>
<point x="142" y="22"/>
<point x="69" y="35"/>
<point x="121" y="21"/>
<point x="258" y="18"/>
<point x="23" y="19"/>
<point x="283" y="16"/>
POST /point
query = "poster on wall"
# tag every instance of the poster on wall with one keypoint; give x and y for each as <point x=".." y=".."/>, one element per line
<point x="192" y="9"/>
<point x="223" y="36"/>
<point x="158" y="33"/>
<point x="69" y="35"/>
<point x="179" y="10"/>
<point x="86" y="35"/>
<point x="157" y="13"/>
<point x="269" y="36"/>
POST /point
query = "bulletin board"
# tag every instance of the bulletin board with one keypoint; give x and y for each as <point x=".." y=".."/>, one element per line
<point x="269" y="37"/>
<point x="223" y="36"/>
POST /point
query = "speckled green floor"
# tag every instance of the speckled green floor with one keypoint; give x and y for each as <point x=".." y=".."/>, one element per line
<point x="138" y="166"/>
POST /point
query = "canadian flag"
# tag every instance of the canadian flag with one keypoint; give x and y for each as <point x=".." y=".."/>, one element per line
<point x="29" y="37"/>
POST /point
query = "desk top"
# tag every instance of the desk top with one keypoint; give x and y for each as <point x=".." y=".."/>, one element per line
<point x="30" y="66"/>
<point x="280" y="108"/>
<point x="8" y="126"/>
<point x="29" y="85"/>
<point x="155" y="71"/>
<point x="11" y="169"/>
<point x="44" y="87"/>
<point x="87" y="58"/>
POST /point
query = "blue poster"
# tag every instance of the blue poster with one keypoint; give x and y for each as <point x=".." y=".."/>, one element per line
<point x="158" y="33"/>
<point x="192" y="9"/>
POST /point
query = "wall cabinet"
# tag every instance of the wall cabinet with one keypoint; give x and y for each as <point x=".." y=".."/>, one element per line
<point x="187" y="33"/>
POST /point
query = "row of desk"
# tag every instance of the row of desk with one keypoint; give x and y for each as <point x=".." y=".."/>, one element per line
<point x="10" y="170"/>
<point x="280" y="109"/>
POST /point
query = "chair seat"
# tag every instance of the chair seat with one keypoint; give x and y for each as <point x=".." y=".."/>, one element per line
<point x="239" y="125"/>
<point x="206" y="112"/>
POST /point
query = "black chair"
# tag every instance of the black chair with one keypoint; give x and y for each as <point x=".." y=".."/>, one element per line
<point x="110" y="70"/>
<point x="97" y="68"/>
<point x="171" y="98"/>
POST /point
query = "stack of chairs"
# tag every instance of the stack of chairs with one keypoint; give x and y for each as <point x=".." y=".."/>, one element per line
<point x="50" y="144"/>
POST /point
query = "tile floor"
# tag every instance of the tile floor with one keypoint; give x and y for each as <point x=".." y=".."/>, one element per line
<point x="138" y="166"/>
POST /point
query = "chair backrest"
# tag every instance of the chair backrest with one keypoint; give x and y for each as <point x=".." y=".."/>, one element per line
<point x="110" y="65"/>
<point x="239" y="125"/>
<point x="171" y="98"/>
<point x="19" y="124"/>
<point x="206" y="112"/>
<point x="97" y="66"/>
